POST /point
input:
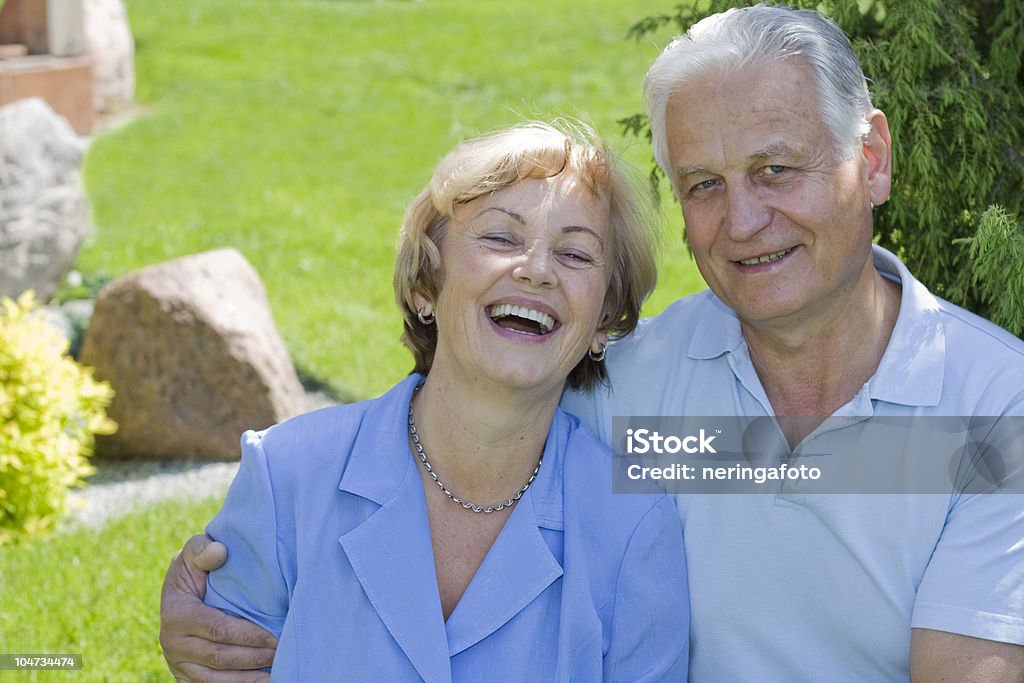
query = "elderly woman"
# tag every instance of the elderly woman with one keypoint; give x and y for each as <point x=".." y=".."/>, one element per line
<point x="462" y="527"/>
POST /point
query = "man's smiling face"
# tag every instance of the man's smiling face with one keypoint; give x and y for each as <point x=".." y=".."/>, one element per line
<point x="779" y="226"/>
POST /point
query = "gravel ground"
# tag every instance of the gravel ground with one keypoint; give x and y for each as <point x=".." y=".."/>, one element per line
<point x="123" y="486"/>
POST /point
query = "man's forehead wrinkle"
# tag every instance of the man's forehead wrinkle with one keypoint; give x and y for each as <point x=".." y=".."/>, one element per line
<point x="775" y="149"/>
<point x="700" y="157"/>
<point x="715" y="136"/>
<point x="691" y="169"/>
<point x="730" y="153"/>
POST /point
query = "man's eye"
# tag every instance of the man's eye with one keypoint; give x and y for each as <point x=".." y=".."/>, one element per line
<point x="774" y="169"/>
<point x="703" y="185"/>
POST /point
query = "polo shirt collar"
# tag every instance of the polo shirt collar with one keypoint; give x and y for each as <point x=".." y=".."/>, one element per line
<point x="719" y="331"/>
<point x="912" y="367"/>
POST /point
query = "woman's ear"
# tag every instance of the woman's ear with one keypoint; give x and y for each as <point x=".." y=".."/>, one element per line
<point x="597" y="346"/>
<point x="424" y="309"/>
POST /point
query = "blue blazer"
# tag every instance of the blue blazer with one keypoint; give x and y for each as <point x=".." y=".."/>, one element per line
<point x="329" y="548"/>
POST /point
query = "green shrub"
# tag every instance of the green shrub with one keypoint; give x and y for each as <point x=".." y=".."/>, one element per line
<point x="50" y="410"/>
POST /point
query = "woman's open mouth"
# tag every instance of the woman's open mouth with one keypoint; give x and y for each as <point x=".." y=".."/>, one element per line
<point x="521" y="319"/>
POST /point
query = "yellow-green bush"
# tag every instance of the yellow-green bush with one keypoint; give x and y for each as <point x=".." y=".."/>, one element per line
<point x="50" y="410"/>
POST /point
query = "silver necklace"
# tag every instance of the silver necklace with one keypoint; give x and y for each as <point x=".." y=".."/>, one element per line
<point x="455" y="499"/>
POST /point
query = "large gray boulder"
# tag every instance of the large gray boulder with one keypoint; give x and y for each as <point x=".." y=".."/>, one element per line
<point x="44" y="214"/>
<point x="111" y="49"/>
<point x="191" y="349"/>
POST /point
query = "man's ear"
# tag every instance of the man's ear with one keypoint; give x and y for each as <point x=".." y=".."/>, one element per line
<point x="877" y="151"/>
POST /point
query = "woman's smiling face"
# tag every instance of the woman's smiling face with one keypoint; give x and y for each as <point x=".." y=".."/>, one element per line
<point x="525" y="273"/>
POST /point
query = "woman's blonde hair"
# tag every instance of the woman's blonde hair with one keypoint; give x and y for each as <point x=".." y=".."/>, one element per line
<point x="497" y="160"/>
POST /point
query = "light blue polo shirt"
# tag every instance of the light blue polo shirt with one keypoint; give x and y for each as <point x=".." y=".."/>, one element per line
<point x="824" y="587"/>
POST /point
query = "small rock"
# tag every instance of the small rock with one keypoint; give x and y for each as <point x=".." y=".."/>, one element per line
<point x="191" y="349"/>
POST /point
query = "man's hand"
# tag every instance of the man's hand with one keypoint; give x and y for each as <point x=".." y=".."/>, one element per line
<point x="202" y="644"/>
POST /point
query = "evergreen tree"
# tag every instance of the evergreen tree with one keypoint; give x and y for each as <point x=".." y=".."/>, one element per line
<point x="949" y="77"/>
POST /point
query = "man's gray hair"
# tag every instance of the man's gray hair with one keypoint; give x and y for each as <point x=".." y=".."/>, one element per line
<point x="753" y="36"/>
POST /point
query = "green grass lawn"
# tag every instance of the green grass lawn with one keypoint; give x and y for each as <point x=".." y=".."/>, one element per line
<point x="95" y="593"/>
<point x="298" y="131"/>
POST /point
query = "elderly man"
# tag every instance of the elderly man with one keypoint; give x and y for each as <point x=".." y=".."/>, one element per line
<point x="763" y="123"/>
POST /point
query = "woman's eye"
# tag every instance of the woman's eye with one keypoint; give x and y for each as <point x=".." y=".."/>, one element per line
<point x="498" y="239"/>
<point x="576" y="257"/>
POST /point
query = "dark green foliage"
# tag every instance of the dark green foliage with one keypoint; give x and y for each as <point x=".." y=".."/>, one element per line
<point x="997" y="252"/>
<point x="949" y="77"/>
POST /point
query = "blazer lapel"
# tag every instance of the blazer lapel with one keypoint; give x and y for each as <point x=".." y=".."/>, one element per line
<point x="520" y="565"/>
<point x="518" y="568"/>
<point x="390" y="551"/>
